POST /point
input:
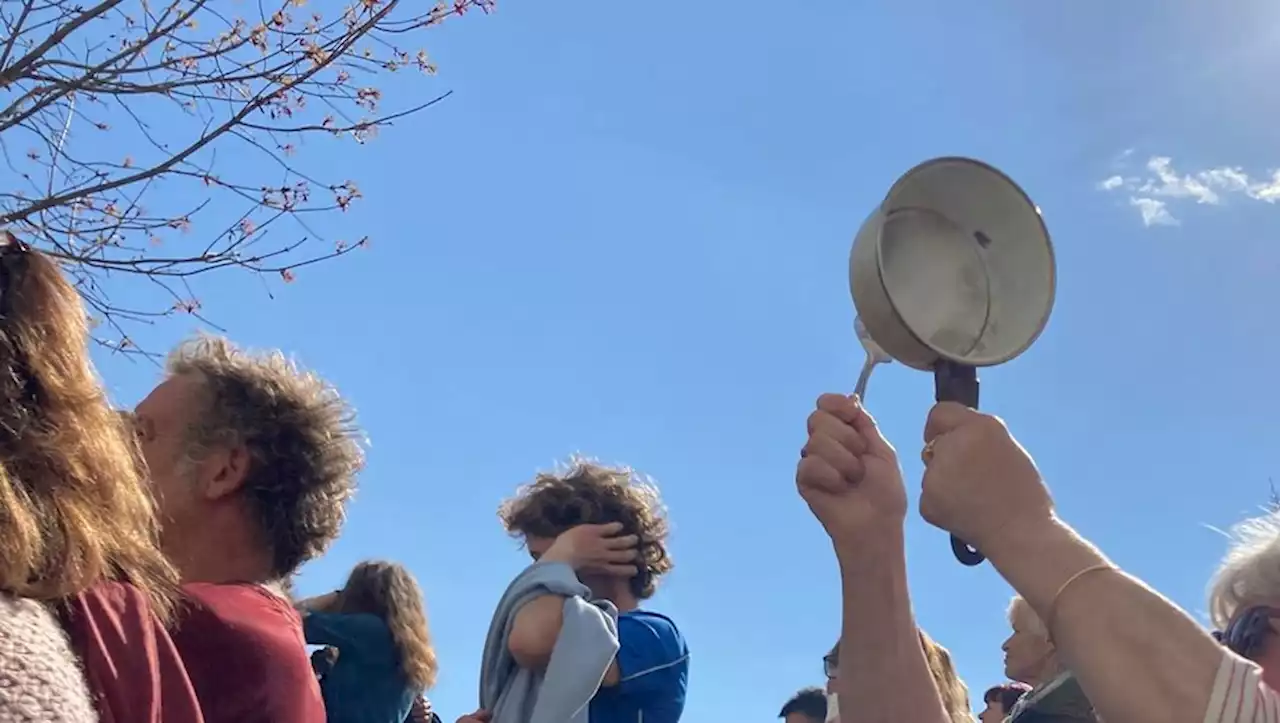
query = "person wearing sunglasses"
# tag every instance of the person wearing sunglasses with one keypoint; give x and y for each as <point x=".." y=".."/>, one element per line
<point x="1244" y="595"/>
<point x="831" y="667"/>
<point x="850" y="478"/>
<point x="952" y="690"/>
<point x="1249" y="633"/>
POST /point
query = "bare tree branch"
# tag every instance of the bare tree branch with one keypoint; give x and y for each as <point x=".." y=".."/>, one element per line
<point x="107" y="108"/>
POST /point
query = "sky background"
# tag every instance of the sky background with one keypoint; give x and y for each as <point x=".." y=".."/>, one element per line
<point x="625" y="234"/>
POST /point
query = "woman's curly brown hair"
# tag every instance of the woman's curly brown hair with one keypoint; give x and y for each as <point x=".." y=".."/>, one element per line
<point x="75" y="509"/>
<point x="588" y="493"/>
<point x="388" y="590"/>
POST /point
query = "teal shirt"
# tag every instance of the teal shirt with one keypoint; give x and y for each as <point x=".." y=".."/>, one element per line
<point x="366" y="684"/>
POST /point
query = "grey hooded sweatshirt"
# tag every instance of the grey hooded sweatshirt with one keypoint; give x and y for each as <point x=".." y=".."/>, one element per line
<point x="585" y="648"/>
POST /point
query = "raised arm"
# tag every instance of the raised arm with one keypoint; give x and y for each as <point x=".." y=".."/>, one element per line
<point x="850" y="478"/>
<point x="1110" y="628"/>
<point x="1139" y="657"/>
<point x="318" y="602"/>
<point x="595" y="549"/>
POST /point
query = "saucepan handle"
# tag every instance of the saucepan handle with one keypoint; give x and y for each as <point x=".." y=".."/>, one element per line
<point x="954" y="382"/>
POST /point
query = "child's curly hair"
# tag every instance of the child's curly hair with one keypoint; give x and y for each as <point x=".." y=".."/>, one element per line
<point x="589" y="493"/>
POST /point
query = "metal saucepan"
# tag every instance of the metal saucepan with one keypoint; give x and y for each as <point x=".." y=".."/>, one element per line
<point x="953" y="271"/>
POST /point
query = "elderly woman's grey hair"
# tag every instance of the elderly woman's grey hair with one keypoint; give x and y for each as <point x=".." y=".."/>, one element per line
<point x="1018" y="606"/>
<point x="1249" y="573"/>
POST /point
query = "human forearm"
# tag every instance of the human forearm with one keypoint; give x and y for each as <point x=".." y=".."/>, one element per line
<point x="319" y="602"/>
<point x="879" y="642"/>
<point x="1139" y="658"/>
<point x="534" y="631"/>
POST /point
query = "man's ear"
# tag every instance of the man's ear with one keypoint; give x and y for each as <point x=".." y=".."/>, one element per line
<point x="228" y="468"/>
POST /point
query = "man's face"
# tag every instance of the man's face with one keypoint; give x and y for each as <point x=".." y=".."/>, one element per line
<point x="800" y="718"/>
<point x="993" y="713"/>
<point x="163" y="419"/>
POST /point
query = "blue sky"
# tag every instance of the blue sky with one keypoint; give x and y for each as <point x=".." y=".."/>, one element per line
<point x="625" y="234"/>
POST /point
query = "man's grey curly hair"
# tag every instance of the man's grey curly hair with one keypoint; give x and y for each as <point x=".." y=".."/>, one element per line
<point x="1249" y="573"/>
<point x="304" y="447"/>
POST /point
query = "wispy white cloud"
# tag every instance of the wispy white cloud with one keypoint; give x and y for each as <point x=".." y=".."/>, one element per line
<point x="1164" y="181"/>
<point x="1154" y="212"/>
<point x="1152" y="190"/>
<point x="1110" y="184"/>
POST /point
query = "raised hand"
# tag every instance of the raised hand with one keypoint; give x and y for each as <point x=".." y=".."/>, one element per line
<point x="848" y="472"/>
<point x="596" y="550"/>
<point x="978" y="480"/>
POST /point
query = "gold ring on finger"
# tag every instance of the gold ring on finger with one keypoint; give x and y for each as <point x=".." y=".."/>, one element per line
<point x="926" y="454"/>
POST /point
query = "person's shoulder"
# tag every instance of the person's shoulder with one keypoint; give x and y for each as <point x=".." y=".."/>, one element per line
<point x="242" y="615"/>
<point x="335" y="628"/>
<point x="244" y="648"/>
<point x="44" y="672"/>
<point x="117" y="594"/>
<point x="116" y="606"/>
<point x="119" y="604"/>
<point x="237" y="601"/>
<point x="28" y="627"/>
<point x="656" y="624"/>
<point x="367" y="621"/>
<point x="651" y="642"/>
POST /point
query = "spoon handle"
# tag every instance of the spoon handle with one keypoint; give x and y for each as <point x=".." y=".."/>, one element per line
<point x="864" y="376"/>
<point x="954" y="382"/>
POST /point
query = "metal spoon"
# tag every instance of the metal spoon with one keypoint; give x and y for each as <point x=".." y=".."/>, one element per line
<point x="875" y="355"/>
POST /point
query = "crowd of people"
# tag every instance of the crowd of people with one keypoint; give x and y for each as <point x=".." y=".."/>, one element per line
<point x="1088" y="642"/>
<point x="146" y="559"/>
<point x="146" y="555"/>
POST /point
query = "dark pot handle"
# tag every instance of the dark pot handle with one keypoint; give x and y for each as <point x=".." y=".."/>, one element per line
<point x="954" y="382"/>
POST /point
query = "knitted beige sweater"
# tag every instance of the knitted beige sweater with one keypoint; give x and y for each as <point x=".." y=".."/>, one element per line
<point x="40" y="678"/>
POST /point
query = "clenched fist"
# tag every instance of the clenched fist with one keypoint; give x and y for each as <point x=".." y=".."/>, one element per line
<point x="977" y="478"/>
<point x="848" y="473"/>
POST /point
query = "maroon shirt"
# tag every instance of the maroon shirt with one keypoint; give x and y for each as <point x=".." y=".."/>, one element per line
<point x="133" y="670"/>
<point x="244" y="650"/>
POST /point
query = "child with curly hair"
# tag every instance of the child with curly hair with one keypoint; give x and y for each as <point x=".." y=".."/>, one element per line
<point x="609" y="525"/>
